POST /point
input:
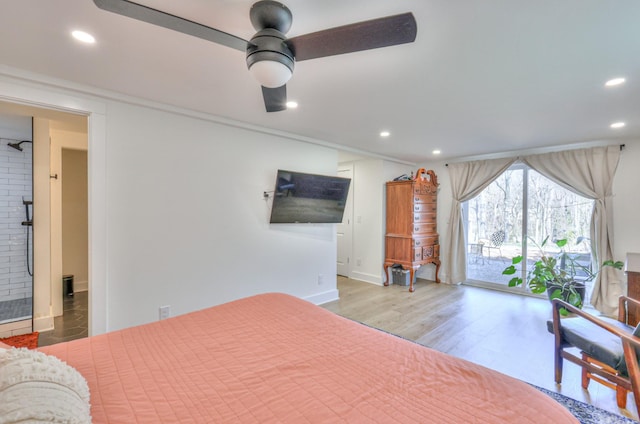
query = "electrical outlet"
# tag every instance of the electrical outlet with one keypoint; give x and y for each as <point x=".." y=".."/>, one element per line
<point x="320" y="279"/>
<point x="165" y="312"/>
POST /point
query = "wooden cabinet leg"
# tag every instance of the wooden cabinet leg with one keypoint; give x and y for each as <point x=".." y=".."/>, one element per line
<point x="386" y="273"/>
<point x="411" y="273"/>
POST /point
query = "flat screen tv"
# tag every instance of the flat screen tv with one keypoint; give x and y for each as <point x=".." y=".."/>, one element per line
<point x="308" y="198"/>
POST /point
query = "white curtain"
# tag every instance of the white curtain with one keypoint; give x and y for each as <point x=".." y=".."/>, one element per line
<point x="468" y="179"/>
<point x="590" y="172"/>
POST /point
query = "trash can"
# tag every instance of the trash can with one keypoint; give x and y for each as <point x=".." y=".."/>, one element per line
<point x="401" y="276"/>
<point x="67" y="284"/>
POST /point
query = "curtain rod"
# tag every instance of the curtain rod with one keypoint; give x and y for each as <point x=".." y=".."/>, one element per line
<point x="622" y="146"/>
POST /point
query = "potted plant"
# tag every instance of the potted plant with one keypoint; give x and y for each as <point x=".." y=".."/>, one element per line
<point x="555" y="274"/>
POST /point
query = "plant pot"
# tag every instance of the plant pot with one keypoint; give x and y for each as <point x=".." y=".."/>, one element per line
<point x="580" y="288"/>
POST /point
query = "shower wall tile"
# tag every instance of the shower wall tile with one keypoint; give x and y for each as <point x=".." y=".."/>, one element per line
<point x="15" y="185"/>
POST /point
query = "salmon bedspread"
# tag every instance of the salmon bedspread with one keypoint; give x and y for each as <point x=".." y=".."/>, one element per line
<point x="274" y="358"/>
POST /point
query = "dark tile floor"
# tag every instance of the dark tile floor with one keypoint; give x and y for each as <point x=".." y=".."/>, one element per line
<point x="73" y="324"/>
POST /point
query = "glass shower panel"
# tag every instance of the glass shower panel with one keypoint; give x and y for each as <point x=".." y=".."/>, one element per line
<point x="16" y="212"/>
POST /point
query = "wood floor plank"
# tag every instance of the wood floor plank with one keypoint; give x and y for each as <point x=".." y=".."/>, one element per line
<point x="501" y="331"/>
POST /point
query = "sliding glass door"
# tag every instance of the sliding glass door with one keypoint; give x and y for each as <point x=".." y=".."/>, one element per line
<point x="513" y="216"/>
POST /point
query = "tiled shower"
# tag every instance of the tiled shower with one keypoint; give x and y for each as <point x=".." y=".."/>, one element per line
<point x="16" y="212"/>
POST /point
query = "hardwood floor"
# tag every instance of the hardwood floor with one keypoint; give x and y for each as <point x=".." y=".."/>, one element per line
<point x="498" y="330"/>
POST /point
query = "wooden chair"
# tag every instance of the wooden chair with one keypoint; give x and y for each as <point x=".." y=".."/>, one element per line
<point x="608" y="348"/>
<point x="496" y="241"/>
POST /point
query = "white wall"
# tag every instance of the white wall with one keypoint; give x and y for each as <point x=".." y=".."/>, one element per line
<point x="370" y="176"/>
<point x="626" y="200"/>
<point x="176" y="209"/>
<point x="187" y="223"/>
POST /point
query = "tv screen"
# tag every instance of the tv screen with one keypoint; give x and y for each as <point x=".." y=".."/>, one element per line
<point x="308" y="198"/>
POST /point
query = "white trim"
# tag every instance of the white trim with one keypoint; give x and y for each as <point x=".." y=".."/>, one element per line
<point x="540" y="150"/>
<point x="324" y="297"/>
<point x="23" y="91"/>
<point x="79" y="89"/>
<point x="43" y="323"/>
<point x="80" y="286"/>
<point x="367" y="278"/>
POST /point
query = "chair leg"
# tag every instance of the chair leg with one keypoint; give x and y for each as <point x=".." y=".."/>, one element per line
<point x="585" y="373"/>
<point x="558" y="364"/>
<point x="621" y="397"/>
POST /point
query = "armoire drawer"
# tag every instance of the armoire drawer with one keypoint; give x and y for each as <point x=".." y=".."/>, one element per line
<point x="424" y="198"/>
<point x="424" y="217"/>
<point x="425" y="241"/>
<point x="424" y="207"/>
<point x="425" y="227"/>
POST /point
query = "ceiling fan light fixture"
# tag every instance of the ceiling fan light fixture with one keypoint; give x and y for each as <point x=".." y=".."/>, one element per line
<point x="270" y="74"/>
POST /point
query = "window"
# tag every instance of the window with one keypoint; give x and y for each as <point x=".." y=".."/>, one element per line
<point x="513" y="215"/>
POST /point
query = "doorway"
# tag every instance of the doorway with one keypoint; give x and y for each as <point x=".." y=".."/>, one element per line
<point x="52" y="131"/>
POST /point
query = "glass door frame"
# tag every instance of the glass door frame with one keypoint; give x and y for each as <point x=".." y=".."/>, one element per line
<point x="523" y="289"/>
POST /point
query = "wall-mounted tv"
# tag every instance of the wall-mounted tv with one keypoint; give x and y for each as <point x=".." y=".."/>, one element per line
<point x="308" y="198"/>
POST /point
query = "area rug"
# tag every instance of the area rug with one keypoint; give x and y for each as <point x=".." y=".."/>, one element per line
<point x="30" y="341"/>
<point x="585" y="413"/>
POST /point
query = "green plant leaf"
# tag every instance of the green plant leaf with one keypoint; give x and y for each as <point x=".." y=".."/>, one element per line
<point x="516" y="260"/>
<point x="563" y="312"/>
<point x="616" y="265"/>
<point x="556" y="294"/>
<point x="515" y="281"/>
<point x="561" y="243"/>
<point x="510" y="270"/>
<point x="575" y="299"/>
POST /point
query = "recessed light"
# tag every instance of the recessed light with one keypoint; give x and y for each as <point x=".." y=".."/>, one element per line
<point x="385" y="133"/>
<point x="85" y="37"/>
<point x="618" y="125"/>
<point x="614" y="82"/>
<point x="292" y="105"/>
<point x="436" y="152"/>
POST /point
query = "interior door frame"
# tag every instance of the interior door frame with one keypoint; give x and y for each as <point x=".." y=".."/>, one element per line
<point x="346" y="227"/>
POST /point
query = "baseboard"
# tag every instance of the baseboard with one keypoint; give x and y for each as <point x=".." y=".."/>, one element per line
<point x="43" y="324"/>
<point x="80" y="286"/>
<point x="367" y="278"/>
<point x="324" y="297"/>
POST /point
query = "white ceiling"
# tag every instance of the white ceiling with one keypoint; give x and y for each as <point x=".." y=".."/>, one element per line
<point x="482" y="76"/>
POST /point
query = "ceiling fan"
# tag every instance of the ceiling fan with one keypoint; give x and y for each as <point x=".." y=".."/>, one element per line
<point x="270" y="55"/>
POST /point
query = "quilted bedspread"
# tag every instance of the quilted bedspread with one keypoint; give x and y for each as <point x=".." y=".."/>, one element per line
<point x="274" y="358"/>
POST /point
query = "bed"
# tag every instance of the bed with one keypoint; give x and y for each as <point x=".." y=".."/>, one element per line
<point x="274" y="358"/>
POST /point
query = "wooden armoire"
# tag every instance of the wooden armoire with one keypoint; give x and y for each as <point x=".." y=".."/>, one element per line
<point x="411" y="238"/>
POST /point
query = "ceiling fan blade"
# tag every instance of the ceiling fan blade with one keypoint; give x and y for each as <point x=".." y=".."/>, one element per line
<point x="367" y="35"/>
<point x="176" y="23"/>
<point x="275" y="99"/>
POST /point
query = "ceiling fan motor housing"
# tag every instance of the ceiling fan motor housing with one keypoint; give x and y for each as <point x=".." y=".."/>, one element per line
<point x="270" y="14"/>
<point x="269" y="45"/>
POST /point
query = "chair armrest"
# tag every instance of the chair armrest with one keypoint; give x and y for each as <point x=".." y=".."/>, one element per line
<point x="557" y="322"/>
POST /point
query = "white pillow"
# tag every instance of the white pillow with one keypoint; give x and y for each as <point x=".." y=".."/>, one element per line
<point x="35" y="387"/>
